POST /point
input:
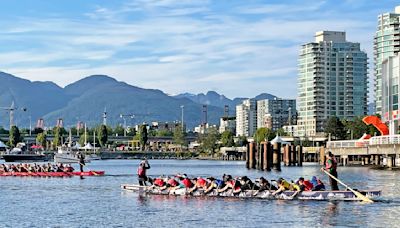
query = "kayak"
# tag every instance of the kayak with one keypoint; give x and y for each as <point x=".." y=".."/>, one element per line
<point x="52" y="174"/>
<point x="252" y="194"/>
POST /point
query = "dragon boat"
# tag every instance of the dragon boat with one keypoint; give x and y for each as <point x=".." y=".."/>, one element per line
<point x="51" y="174"/>
<point x="251" y="194"/>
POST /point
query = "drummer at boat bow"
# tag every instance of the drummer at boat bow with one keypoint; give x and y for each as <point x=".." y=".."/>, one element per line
<point x="142" y="177"/>
<point x="330" y="167"/>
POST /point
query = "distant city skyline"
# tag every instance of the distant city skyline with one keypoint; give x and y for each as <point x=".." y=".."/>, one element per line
<point x="234" y="48"/>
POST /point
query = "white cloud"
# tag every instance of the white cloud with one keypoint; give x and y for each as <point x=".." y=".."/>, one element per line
<point x="177" y="45"/>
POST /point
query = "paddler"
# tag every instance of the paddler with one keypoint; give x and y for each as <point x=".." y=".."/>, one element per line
<point x="141" y="171"/>
<point x="330" y="167"/>
<point x="200" y="183"/>
<point x="264" y="185"/>
<point x="81" y="157"/>
<point x="284" y="185"/>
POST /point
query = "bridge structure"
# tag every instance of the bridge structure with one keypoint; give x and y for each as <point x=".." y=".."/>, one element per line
<point x="378" y="150"/>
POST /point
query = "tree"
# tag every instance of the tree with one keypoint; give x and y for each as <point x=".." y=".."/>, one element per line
<point x="102" y="135"/>
<point x="41" y="139"/>
<point x="179" y="136"/>
<point x="58" y="136"/>
<point x="3" y="131"/>
<point x="281" y="132"/>
<point x="263" y="134"/>
<point x="163" y="133"/>
<point x="143" y="136"/>
<point x="209" y="141"/>
<point x="119" y="130"/>
<point x="37" y="130"/>
<point x="15" y="136"/>
<point x="335" y="128"/>
<point x="242" y="141"/>
<point x="227" y="139"/>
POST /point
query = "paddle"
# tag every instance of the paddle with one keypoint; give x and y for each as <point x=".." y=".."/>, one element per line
<point x="358" y="194"/>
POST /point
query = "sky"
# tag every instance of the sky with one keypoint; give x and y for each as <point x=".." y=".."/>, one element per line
<point x="237" y="48"/>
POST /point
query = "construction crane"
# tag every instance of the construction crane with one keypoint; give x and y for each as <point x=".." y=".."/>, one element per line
<point x="11" y="111"/>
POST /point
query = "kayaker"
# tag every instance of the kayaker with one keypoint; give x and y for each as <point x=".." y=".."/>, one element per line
<point x="330" y="167"/>
<point x="319" y="186"/>
<point x="141" y="171"/>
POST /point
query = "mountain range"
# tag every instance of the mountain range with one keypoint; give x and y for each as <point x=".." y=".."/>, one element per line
<point x="86" y="99"/>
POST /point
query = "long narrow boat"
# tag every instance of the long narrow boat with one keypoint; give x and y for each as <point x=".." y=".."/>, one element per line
<point x="51" y="174"/>
<point x="306" y="195"/>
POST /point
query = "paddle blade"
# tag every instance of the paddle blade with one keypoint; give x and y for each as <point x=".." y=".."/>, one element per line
<point x="362" y="197"/>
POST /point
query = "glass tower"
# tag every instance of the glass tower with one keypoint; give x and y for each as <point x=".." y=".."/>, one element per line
<point x="386" y="44"/>
<point x="333" y="81"/>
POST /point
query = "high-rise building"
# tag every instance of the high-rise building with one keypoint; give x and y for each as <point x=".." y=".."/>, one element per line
<point x="390" y="92"/>
<point x="227" y="123"/>
<point x="246" y="118"/>
<point x="275" y="113"/>
<point x="386" y="44"/>
<point x="333" y="81"/>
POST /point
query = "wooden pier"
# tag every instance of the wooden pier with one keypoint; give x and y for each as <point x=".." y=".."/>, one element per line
<point x="266" y="156"/>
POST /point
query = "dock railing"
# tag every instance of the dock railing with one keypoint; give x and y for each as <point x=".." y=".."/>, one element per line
<point x="376" y="140"/>
<point x="348" y="143"/>
<point x="386" y="139"/>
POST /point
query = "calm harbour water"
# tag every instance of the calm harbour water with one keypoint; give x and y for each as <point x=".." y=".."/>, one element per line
<point x="99" y="201"/>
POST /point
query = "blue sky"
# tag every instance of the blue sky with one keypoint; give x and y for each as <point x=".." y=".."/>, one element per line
<point x="238" y="48"/>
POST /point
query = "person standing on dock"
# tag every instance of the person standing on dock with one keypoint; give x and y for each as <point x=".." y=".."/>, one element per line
<point x="330" y="167"/>
<point x="142" y="177"/>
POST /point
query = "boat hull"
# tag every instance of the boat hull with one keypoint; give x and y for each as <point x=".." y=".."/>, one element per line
<point x="24" y="157"/>
<point x="51" y="174"/>
<point x="305" y="195"/>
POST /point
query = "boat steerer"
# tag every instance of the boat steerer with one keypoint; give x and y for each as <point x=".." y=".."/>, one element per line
<point x="358" y="194"/>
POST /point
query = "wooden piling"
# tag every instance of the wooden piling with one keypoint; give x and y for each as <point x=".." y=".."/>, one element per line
<point x="260" y="156"/>
<point x="248" y="156"/>
<point x="267" y="156"/>
<point x="299" y="155"/>
<point x="322" y="156"/>
<point x="286" y="155"/>
<point x="252" y="163"/>
<point x="292" y="155"/>
<point x="276" y="159"/>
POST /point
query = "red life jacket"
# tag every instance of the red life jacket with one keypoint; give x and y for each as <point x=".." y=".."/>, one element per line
<point x="201" y="182"/>
<point x="159" y="182"/>
<point x="308" y="186"/>
<point x="187" y="183"/>
<point x="141" y="171"/>
<point x="173" y="182"/>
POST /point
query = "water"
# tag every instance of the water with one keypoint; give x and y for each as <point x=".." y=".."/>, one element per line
<point x="99" y="201"/>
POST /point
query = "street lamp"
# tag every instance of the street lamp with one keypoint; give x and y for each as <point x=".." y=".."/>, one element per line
<point x="124" y="116"/>
<point x="30" y="126"/>
<point x="182" y="107"/>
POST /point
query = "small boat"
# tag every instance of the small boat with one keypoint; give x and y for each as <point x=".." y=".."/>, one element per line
<point x="68" y="157"/>
<point x="305" y="195"/>
<point x="52" y="174"/>
<point x="19" y="155"/>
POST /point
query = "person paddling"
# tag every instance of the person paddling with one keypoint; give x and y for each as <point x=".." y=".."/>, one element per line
<point x="142" y="177"/>
<point x="81" y="157"/>
<point x="330" y="167"/>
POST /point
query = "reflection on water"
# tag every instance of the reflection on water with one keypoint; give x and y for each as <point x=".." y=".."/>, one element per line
<point x="99" y="201"/>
